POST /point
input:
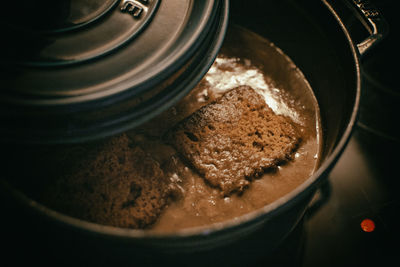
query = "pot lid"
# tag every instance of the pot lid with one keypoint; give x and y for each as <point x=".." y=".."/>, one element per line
<point x="76" y="70"/>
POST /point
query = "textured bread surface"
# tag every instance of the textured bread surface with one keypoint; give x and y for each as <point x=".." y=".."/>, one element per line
<point x="117" y="184"/>
<point x="235" y="139"/>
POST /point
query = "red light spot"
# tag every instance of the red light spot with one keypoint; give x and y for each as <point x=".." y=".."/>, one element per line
<point x="367" y="225"/>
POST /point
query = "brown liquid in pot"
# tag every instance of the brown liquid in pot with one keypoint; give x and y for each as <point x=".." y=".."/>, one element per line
<point x="245" y="59"/>
<point x="201" y="204"/>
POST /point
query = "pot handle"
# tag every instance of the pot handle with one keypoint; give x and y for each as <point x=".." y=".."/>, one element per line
<point x="321" y="197"/>
<point x="370" y="17"/>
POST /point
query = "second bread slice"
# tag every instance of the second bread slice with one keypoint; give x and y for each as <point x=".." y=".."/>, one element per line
<point x="234" y="139"/>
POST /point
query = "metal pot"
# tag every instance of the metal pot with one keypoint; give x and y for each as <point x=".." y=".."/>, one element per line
<point x="312" y="34"/>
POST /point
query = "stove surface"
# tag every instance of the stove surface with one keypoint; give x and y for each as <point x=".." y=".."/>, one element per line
<point x="358" y="224"/>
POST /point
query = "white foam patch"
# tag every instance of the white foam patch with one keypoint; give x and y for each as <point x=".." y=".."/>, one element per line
<point x="227" y="73"/>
